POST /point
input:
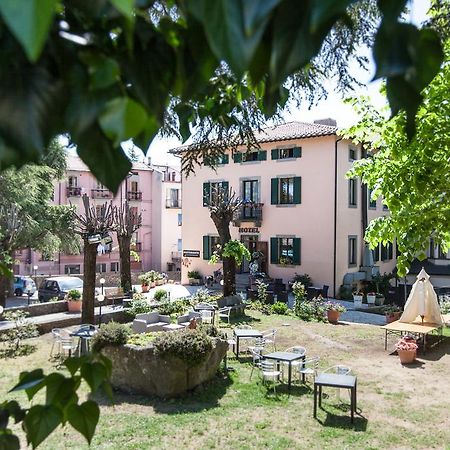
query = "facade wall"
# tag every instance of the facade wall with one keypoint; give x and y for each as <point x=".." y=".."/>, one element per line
<point x="312" y="220"/>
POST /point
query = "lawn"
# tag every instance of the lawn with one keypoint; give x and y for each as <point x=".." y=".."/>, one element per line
<point x="398" y="407"/>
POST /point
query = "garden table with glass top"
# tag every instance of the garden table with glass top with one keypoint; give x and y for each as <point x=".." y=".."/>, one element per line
<point x="288" y="357"/>
<point x="85" y="334"/>
<point x="245" y="333"/>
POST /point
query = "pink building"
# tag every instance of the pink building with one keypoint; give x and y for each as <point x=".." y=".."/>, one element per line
<point x="143" y="190"/>
<point x="302" y="212"/>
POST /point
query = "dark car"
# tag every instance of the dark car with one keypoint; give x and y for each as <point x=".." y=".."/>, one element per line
<point x="58" y="287"/>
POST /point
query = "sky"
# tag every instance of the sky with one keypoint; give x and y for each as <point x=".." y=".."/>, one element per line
<point x="333" y="106"/>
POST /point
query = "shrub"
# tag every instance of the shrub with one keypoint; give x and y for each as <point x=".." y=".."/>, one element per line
<point x="191" y="346"/>
<point x="142" y="339"/>
<point x="173" y="308"/>
<point x="160" y="294"/>
<point x="299" y="291"/>
<point x="345" y="292"/>
<point x="280" y="308"/>
<point x="262" y="291"/>
<point x="74" y="295"/>
<point x="202" y="295"/>
<point x="308" y="311"/>
<point x="23" y="329"/>
<point x="445" y="307"/>
<point x="138" y="306"/>
<point x="304" y="279"/>
<point x="112" y="333"/>
<point x="210" y="330"/>
<point x="263" y="308"/>
<point x="195" y="274"/>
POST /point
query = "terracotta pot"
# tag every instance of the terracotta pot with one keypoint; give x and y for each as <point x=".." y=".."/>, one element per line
<point x="333" y="316"/>
<point x="74" y="306"/>
<point x="145" y="287"/>
<point x="406" y="356"/>
<point x="392" y="317"/>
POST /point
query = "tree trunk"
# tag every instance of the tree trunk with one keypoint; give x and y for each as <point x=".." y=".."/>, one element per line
<point x="125" y="266"/>
<point x="6" y="286"/>
<point x="229" y="276"/>
<point x="90" y="259"/>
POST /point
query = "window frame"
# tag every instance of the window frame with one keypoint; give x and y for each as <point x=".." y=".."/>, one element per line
<point x="352" y="193"/>
<point x="353" y="150"/>
<point x="352" y="247"/>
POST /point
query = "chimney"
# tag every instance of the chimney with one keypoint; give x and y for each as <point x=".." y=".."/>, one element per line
<point x="328" y="121"/>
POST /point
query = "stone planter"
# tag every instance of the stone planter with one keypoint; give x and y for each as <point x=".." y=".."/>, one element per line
<point x="371" y="299"/>
<point x="357" y="300"/>
<point x="194" y="281"/>
<point x="333" y="316"/>
<point x="74" y="306"/>
<point x="138" y="370"/>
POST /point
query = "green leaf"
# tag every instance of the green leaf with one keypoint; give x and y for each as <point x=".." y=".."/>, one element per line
<point x="94" y="374"/>
<point x="144" y="139"/>
<point x="40" y="422"/>
<point x="29" y="21"/>
<point x="84" y="418"/>
<point x="9" y="441"/>
<point x="5" y="270"/>
<point x="103" y="71"/>
<point x="61" y="391"/>
<point x="125" y="7"/>
<point x="74" y="363"/>
<point x="122" y="118"/>
<point x="31" y="382"/>
<point x="234" y="28"/>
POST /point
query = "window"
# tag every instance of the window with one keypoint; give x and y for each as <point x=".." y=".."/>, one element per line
<point x="212" y="190"/>
<point x="285" y="250"/>
<point x="72" y="269"/>
<point x="172" y="198"/>
<point x="98" y="210"/>
<point x="180" y="219"/>
<point x="47" y="257"/>
<point x="286" y="153"/>
<point x="73" y="181"/>
<point x="179" y="245"/>
<point x="250" y="191"/>
<point x="372" y="203"/>
<point x="223" y="159"/>
<point x="352" y="193"/>
<point x="352" y="154"/>
<point x="210" y="245"/>
<point x="114" y="267"/>
<point x="134" y="186"/>
<point x="352" y="251"/>
<point x="387" y="252"/>
<point x="286" y="190"/>
<point x="442" y="254"/>
<point x="100" y="268"/>
<point x="260" y="155"/>
<point x="376" y="253"/>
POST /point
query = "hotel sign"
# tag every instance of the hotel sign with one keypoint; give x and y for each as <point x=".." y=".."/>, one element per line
<point x="191" y="253"/>
<point x="248" y="230"/>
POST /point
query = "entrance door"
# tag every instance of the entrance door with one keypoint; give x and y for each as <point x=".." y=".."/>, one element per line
<point x="250" y="241"/>
<point x="261" y="246"/>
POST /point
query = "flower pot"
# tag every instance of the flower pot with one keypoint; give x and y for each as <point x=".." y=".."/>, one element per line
<point x="194" y="281"/>
<point x="406" y="356"/>
<point x="74" y="306"/>
<point x="333" y="316"/>
<point x="170" y="281"/>
<point x="159" y="282"/>
<point x="379" y="300"/>
<point x="145" y="287"/>
<point x="153" y="284"/>
<point x="357" y="300"/>
<point x="371" y="299"/>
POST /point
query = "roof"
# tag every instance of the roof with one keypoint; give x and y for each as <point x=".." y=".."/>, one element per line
<point x="284" y="132"/>
<point x="75" y="163"/>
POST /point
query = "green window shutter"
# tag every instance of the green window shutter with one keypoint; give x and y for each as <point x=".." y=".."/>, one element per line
<point x="206" y="247"/>
<point x="275" y="153"/>
<point x="262" y="155"/>
<point x="274" y="251"/>
<point x="297" y="152"/>
<point x="297" y="190"/>
<point x="274" y="191"/>
<point x="206" y="193"/>
<point x="237" y="157"/>
<point x="225" y="159"/>
<point x="225" y="187"/>
<point x="297" y="251"/>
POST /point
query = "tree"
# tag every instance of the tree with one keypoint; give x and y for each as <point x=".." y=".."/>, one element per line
<point x="411" y="176"/>
<point x="223" y="205"/>
<point x="126" y="222"/>
<point x="27" y="217"/>
<point x="105" y="71"/>
<point x="93" y="226"/>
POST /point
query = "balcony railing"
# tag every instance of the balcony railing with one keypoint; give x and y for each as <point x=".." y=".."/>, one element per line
<point x="72" y="191"/>
<point x="173" y="203"/>
<point x="101" y="193"/>
<point x="249" y="213"/>
<point x="134" y="195"/>
<point x="176" y="256"/>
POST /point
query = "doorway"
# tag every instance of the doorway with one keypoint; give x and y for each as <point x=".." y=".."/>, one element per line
<point x="251" y="243"/>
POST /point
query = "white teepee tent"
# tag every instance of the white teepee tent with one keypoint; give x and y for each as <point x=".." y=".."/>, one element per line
<point x="422" y="302"/>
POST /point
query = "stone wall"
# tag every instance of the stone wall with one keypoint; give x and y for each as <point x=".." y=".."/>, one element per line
<point x="138" y="370"/>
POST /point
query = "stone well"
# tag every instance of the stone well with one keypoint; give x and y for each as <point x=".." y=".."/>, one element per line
<point x="138" y="370"/>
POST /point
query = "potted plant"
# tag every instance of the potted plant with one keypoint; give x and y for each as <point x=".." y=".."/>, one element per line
<point x="145" y="281"/>
<point x="392" y="313"/>
<point x="74" y="302"/>
<point x="334" y="310"/>
<point x="406" y="349"/>
<point x="357" y="299"/>
<point x="371" y="297"/>
<point x="159" y="279"/>
<point x="379" y="299"/>
<point x="194" y="277"/>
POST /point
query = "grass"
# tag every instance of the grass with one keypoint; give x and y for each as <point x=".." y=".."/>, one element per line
<point x="398" y="407"/>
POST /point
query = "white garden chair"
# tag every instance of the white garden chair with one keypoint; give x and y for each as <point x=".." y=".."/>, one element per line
<point x="269" y="373"/>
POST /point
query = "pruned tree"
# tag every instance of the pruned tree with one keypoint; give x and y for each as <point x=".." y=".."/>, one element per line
<point x="126" y="222"/>
<point x="92" y="222"/>
<point x="223" y="205"/>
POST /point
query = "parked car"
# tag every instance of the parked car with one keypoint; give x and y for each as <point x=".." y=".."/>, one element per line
<point x="58" y="287"/>
<point x="23" y="284"/>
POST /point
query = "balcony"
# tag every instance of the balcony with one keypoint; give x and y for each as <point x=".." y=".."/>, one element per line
<point x="134" y="195"/>
<point x="249" y="212"/>
<point x="173" y="203"/>
<point x="101" y="193"/>
<point x="72" y="191"/>
<point x="176" y="256"/>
